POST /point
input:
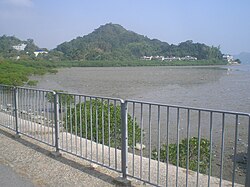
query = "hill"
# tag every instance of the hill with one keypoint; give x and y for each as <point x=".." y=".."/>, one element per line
<point x="113" y="42"/>
<point x="244" y="57"/>
<point x="10" y="46"/>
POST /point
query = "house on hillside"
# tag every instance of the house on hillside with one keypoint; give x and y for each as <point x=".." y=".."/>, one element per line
<point x="147" y="57"/>
<point x="190" y="58"/>
<point x="230" y="59"/>
<point x="19" y="47"/>
<point x="173" y="58"/>
<point x="40" y="51"/>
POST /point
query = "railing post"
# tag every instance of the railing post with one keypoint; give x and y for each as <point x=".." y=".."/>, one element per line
<point x="56" y="115"/>
<point x="248" y="157"/>
<point x="16" y="109"/>
<point x="124" y="139"/>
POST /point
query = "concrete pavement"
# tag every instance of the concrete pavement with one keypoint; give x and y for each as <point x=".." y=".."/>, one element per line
<point x="9" y="178"/>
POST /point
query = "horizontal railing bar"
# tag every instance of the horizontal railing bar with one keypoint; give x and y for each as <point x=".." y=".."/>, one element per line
<point x="92" y="96"/>
<point x="34" y="89"/>
<point x="189" y="108"/>
<point x="7" y="86"/>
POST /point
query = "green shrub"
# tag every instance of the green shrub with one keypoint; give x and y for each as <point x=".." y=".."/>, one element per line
<point x="193" y="154"/>
<point x="103" y="125"/>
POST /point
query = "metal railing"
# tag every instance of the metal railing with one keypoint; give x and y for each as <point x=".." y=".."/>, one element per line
<point x="89" y="128"/>
<point x="163" y="126"/>
<point x="159" y="144"/>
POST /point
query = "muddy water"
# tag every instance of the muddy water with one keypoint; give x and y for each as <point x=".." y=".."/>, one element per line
<point x="220" y="87"/>
<point x="226" y="88"/>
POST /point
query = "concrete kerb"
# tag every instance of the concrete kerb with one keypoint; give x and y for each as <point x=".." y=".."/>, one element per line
<point x="16" y="136"/>
<point x="55" y="154"/>
<point x="120" y="181"/>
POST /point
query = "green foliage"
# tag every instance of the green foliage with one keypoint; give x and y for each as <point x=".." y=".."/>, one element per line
<point x="30" y="46"/>
<point x="104" y="123"/>
<point x="193" y="154"/>
<point x="123" y="63"/>
<point x="6" y="43"/>
<point x="16" y="73"/>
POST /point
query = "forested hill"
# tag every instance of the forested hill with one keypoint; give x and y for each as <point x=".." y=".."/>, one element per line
<point x="113" y="42"/>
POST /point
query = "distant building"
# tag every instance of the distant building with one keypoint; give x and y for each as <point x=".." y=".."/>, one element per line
<point x="162" y="58"/>
<point x="229" y="59"/>
<point x="19" y="47"/>
<point x="147" y="57"/>
<point x="40" y="51"/>
<point x="188" y="58"/>
<point x="158" y="58"/>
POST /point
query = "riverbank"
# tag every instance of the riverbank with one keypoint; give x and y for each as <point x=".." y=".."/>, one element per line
<point x="17" y="72"/>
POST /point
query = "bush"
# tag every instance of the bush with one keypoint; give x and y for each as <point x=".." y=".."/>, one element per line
<point x="193" y="154"/>
<point x="100" y="123"/>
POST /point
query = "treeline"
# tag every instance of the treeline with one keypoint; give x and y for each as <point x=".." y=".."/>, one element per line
<point x="124" y="63"/>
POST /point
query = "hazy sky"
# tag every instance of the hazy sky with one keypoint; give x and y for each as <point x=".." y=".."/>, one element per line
<point x="51" y="22"/>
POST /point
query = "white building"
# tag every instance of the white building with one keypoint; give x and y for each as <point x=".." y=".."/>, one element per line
<point x="37" y="52"/>
<point x="19" y="47"/>
<point x="229" y="59"/>
<point x="187" y="58"/>
<point x="147" y="57"/>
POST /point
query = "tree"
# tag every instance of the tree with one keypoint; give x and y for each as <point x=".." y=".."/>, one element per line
<point x="30" y="47"/>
